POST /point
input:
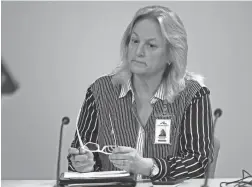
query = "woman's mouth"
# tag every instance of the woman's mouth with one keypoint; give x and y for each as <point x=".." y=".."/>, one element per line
<point x="139" y="62"/>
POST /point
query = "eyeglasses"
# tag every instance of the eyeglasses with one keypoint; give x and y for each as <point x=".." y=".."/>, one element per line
<point x="245" y="181"/>
<point x="94" y="147"/>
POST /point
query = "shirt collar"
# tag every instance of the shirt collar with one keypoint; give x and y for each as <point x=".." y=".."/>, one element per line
<point x="126" y="87"/>
<point x="159" y="94"/>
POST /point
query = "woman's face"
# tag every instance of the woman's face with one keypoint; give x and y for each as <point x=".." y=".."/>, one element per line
<point x="147" y="53"/>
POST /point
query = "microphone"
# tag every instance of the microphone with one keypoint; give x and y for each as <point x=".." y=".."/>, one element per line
<point x="217" y="114"/>
<point x="65" y="121"/>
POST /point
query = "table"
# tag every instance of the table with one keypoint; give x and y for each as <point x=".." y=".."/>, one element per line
<point x="50" y="183"/>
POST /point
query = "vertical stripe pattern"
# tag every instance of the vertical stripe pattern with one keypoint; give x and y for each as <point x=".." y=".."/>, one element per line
<point x="191" y="114"/>
<point x="139" y="145"/>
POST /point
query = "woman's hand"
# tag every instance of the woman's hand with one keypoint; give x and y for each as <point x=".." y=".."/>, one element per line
<point x="128" y="159"/>
<point x="82" y="159"/>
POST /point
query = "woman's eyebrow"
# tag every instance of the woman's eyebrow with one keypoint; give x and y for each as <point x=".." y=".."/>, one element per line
<point x="134" y="33"/>
<point x="148" y="39"/>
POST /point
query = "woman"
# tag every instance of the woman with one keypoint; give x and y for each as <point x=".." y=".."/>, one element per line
<point x="156" y="113"/>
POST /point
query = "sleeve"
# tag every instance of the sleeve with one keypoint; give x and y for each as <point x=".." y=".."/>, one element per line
<point x="195" y="145"/>
<point x="88" y="128"/>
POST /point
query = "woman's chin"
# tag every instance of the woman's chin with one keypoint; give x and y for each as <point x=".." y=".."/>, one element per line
<point x="138" y="71"/>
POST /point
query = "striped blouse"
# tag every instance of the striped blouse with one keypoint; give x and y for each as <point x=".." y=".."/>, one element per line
<point x="194" y="141"/>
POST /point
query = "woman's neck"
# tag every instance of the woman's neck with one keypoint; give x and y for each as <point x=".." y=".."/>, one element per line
<point x="146" y="86"/>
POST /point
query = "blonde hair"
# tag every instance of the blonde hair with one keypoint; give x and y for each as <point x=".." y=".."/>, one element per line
<point x="175" y="34"/>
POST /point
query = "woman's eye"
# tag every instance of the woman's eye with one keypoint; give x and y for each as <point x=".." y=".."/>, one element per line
<point x="152" y="45"/>
<point x="134" y="41"/>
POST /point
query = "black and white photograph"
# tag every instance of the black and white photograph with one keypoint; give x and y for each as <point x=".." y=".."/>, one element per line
<point x="126" y="93"/>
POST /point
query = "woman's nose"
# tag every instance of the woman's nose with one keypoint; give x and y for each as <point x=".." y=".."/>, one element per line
<point x="140" y="50"/>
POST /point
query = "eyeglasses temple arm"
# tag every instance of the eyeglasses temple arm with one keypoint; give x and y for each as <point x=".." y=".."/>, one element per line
<point x="112" y="130"/>
<point x="78" y="133"/>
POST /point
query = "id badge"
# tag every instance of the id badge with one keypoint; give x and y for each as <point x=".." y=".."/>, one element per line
<point x="162" y="131"/>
